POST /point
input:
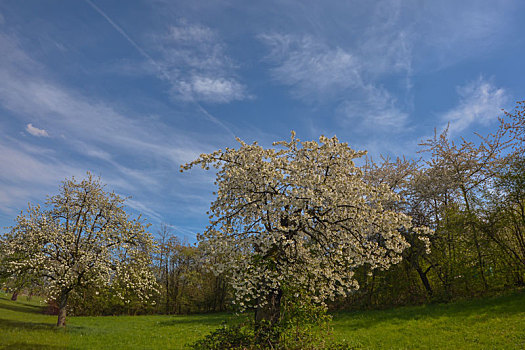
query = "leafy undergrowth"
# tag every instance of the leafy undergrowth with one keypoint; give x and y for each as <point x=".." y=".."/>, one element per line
<point x="490" y="323"/>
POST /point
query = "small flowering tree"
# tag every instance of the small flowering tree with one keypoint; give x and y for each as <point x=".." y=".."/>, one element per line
<point x="298" y="217"/>
<point x="83" y="238"/>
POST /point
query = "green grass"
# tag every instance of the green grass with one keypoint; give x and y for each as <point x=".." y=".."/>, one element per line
<point x="490" y="323"/>
<point x="23" y="326"/>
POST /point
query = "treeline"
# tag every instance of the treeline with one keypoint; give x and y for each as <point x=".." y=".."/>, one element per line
<point x="472" y="194"/>
<point x="185" y="284"/>
<point x="477" y="247"/>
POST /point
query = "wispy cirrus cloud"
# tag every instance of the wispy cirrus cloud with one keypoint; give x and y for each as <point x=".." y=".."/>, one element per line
<point x="316" y="72"/>
<point x="351" y="75"/>
<point x="480" y="101"/>
<point x="191" y="33"/>
<point x="377" y="110"/>
<point x="85" y="122"/>
<point x="193" y="59"/>
<point x="28" y="173"/>
<point x="370" y="77"/>
<point x="310" y="67"/>
<point x="134" y="154"/>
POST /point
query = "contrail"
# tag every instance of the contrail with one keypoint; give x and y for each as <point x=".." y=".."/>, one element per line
<point x="151" y="60"/>
<point x="131" y="41"/>
<point x="214" y="119"/>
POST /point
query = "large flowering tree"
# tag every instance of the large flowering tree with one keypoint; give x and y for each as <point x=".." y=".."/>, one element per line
<point x="82" y="238"/>
<point x="297" y="217"/>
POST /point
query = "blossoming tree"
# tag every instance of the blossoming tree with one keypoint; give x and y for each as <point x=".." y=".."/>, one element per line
<point x="297" y="217"/>
<point x="83" y="238"/>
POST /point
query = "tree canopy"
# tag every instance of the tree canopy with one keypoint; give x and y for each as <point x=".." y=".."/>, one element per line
<point x="82" y="237"/>
<point x="299" y="216"/>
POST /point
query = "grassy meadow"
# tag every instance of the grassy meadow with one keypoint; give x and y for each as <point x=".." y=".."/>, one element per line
<point x="490" y="323"/>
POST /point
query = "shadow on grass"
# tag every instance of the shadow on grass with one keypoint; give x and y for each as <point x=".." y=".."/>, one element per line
<point x="482" y="309"/>
<point x="180" y="321"/>
<point x="208" y="320"/>
<point x="20" y="306"/>
<point x="27" y="346"/>
<point x="5" y="324"/>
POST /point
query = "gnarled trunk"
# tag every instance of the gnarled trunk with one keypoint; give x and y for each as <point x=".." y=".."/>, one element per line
<point x="62" y="305"/>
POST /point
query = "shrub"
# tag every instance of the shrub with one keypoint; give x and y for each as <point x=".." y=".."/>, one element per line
<point x="303" y="325"/>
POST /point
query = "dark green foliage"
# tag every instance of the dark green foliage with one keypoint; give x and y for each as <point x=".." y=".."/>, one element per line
<point x="303" y="325"/>
<point x="104" y="301"/>
<point x="226" y="337"/>
<point x="186" y="286"/>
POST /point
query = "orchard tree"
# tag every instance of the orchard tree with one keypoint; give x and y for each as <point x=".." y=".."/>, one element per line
<point x="82" y="238"/>
<point x="296" y="220"/>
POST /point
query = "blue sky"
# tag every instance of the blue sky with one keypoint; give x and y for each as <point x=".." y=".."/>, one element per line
<point x="131" y="90"/>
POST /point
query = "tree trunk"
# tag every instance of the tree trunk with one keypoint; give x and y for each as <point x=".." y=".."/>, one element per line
<point x="62" y="304"/>
<point x="272" y="310"/>
<point x="471" y="218"/>
<point x="424" y="280"/>
<point x="14" y="297"/>
<point x="268" y="316"/>
<point x="167" y="293"/>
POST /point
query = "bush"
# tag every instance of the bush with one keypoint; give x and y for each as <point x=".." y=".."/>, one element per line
<point x="303" y="325"/>
<point x="226" y="337"/>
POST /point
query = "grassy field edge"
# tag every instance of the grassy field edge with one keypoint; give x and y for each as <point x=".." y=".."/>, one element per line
<point x="488" y="323"/>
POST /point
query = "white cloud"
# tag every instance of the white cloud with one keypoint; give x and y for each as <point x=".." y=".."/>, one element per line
<point x="209" y="89"/>
<point x="191" y="33"/>
<point x="36" y="131"/>
<point x="187" y="53"/>
<point x="195" y="60"/>
<point x="479" y="102"/>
